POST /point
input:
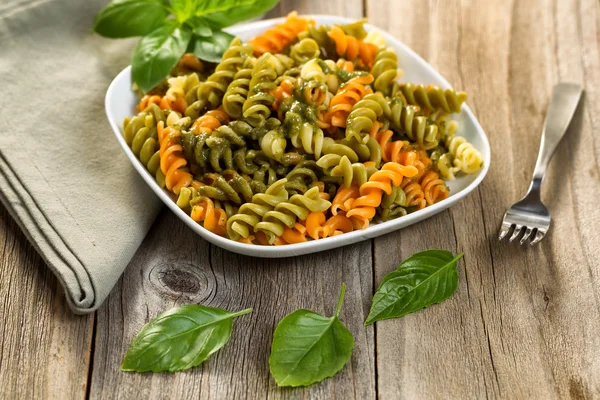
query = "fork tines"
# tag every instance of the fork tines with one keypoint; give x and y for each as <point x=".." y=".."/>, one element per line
<point x="533" y="234"/>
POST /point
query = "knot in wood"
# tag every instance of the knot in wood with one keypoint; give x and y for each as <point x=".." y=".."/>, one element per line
<point x="176" y="280"/>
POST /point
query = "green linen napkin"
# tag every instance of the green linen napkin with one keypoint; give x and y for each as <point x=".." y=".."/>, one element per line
<point x="63" y="176"/>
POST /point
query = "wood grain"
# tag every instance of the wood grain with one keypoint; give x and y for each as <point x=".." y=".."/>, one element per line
<point x="524" y="323"/>
<point x="515" y="308"/>
<point x="182" y="268"/>
<point x="44" y="348"/>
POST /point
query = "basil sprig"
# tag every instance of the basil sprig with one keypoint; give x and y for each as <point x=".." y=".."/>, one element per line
<point x="180" y="338"/>
<point x="421" y="280"/>
<point x="308" y="347"/>
<point x="172" y="27"/>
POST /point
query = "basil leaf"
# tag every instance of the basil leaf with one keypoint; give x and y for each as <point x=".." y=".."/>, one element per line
<point x="180" y="338"/>
<point x="126" y="18"/>
<point x="212" y="48"/>
<point x="183" y="9"/>
<point x="156" y="54"/>
<point x="421" y="280"/>
<point x="308" y="347"/>
<point x="200" y="26"/>
<point x="223" y="13"/>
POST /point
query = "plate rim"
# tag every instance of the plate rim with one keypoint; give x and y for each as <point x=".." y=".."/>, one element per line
<point x="311" y="246"/>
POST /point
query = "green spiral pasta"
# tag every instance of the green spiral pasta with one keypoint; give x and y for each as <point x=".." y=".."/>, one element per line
<point x="263" y="178"/>
<point x="186" y="194"/>
<point x="356" y="29"/>
<point x="306" y="49"/>
<point x="141" y="135"/>
<point x="417" y="128"/>
<point x="242" y="224"/>
<point x="228" y="186"/>
<point x="290" y="75"/>
<point x="237" y="91"/>
<point x="433" y="97"/>
<point x="189" y="196"/>
<point x="393" y="205"/>
<point x="210" y="92"/>
<point x="304" y="175"/>
<point x="288" y="212"/>
<point x="320" y="35"/>
<point x="363" y="115"/>
<point x="385" y="71"/>
<point x="340" y="166"/>
<point x="212" y="151"/>
<point x="258" y="147"/>
<point x="369" y="151"/>
<point x="257" y="107"/>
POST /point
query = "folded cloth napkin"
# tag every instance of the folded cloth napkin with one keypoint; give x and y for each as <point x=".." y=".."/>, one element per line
<point x="63" y="176"/>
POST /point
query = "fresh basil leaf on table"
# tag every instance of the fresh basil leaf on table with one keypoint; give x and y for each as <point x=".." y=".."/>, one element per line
<point x="423" y="279"/>
<point x="127" y="18"/>
<point x="157" y="53"/>
<point x="180" y="338"/>
<point x="211" y="48"/>
<point x="223" y="13"/>
<point x="308" y="347"/>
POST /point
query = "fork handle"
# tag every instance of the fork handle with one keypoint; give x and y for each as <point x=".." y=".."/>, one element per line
<point x="560" y="113"/>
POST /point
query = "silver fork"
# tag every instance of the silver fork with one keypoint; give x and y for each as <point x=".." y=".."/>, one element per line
<point x="529" y="214"/>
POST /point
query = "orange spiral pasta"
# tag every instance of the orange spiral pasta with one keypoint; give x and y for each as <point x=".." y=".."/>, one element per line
<point x="351" y="48"/>
<point x="314" y="94"/>
<point x="171" y="159"/>
<point x="322" y="194"/>
<point x="391" y="151"/>
<point x="214" y="219"/>
<point x="345" y="65"/>
<point x="306" y="135"/>
<point x="147" y="100"/>
<point x="283" y="91"/>
<point x="319" y="227"/>
<point x="344" y="198"/>
<point x="261" y="238"/>
<point x="371" y="192"/>
<point x="415" y="197"/>
<point x="164" y="103"/>
<point x="434" y="188"/>
<point x="275" y="39"/>
<point x="210" y="121"/>
<point x="297" y="234"/>
<point x="191" y="62"/>
<point x="176" y="104"/>
<point x="346" y="97"/>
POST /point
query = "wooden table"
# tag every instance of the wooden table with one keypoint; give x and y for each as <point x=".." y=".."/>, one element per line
<point x="524" y="322"/>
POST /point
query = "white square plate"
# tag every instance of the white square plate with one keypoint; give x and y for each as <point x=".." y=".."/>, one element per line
<point x="121" y="102"/>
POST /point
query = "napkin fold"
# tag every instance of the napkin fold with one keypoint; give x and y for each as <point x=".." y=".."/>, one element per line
<point x="63" y="177"/>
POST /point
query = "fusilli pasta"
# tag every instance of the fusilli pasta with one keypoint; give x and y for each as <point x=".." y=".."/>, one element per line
<point x="302" y="133"/>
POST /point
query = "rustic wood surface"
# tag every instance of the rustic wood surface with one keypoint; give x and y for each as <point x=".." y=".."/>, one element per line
<point x="524" y="323"/>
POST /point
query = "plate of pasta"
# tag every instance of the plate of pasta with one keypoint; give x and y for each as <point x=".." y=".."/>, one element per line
<point x="313" y="132"/>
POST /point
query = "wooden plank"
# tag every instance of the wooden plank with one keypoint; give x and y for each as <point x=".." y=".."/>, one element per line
<point x="343" y="8"/>
<point x="44" y="348"/>
<point x="174" y="266"/>
<point x="523" y="323"/>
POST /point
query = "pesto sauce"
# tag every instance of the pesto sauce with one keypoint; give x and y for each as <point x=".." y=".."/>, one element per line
<point x="343" y="75"/>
